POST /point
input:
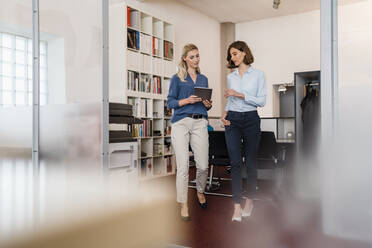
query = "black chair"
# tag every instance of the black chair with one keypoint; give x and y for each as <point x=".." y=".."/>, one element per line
<point x="218" y="156"/>
<point x="268" y="152"/>
<point x="271" y="155"/>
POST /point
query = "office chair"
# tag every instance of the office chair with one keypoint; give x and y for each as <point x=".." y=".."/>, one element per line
<point x="271" y="155"/>
<point x="218" y="155"/>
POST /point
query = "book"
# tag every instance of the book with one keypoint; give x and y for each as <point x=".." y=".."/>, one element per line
<point x="128" y="16"/>
<point x="169" y="164"/>
<point x="168" y="50"/>
<point x="143" y="167"/>
<point x="132" y="80"/>
<point x="137" y="40"/>
<point x="133" y="39"/>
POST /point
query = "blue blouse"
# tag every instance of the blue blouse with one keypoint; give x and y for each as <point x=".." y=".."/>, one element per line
<point x="179" y="90"/>
<point x="252" y="84"/>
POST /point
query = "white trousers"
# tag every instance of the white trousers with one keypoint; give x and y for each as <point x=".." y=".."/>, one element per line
<point x="194" y="132"/>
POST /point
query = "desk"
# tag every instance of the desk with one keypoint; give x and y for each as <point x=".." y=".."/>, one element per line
<point x="285" y="141"/>
<point x="281" y="126"/>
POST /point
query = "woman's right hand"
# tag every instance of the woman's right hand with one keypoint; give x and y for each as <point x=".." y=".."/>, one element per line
<point x="190" y="100"/>
<point x="224" y="121"/>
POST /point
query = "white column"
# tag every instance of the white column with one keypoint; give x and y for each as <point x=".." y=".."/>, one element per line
<point x="105" y="83"/>
<point x="329" y="68"/>
<point x="35" y="83"/>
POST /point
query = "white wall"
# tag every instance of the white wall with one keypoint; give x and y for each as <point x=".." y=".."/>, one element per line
<point x="282" y="46"/>
<point x="355" y="39"/>
<point x="191" y="26"/>
<point x="16" y="127"/>
<point x="56" y="70"/>
<point x="80" y="34"/>
<point x="289" y="44"/>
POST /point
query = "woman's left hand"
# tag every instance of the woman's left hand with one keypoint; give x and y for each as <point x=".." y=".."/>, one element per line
<point x="230" y="92"/>
<point x="207" y="103"/>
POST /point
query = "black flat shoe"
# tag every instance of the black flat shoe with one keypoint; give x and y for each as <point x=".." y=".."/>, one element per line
<point x="204" y="204"/>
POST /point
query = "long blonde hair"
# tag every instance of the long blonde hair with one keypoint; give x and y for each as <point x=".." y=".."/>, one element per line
<point x="182" y="66"/>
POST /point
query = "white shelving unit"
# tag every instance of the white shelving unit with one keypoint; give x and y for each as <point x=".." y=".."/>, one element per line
<point x="141" y="65"/>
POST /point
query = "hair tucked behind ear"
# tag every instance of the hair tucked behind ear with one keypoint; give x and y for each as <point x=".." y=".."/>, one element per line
<point x="243" y="47"/>
<point x="182" y="66"/>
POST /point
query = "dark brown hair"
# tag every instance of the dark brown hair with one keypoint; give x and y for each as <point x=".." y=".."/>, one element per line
<point x="243" y="47"/>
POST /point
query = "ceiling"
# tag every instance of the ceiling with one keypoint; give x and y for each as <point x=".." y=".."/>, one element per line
<point x="249" y="10"/>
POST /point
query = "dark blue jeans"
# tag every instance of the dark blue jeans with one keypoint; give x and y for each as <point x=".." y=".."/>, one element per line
<point x="244" y="126"/>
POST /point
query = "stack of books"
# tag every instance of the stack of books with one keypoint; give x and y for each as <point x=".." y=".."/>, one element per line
<point x="168" y="50"/>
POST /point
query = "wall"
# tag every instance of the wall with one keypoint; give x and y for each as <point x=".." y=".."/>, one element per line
<point x="289" y="44"/>
<point x="355" y="39"/>
<point x="16" y="127"/>
<point x="82" y="45"/>
<point x="227" y="37"/>
<point x="191" y="26"/>
<point x="282" y="46"/>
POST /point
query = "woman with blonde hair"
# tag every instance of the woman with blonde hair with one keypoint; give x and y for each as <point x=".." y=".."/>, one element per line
<point x="189" y="126"/>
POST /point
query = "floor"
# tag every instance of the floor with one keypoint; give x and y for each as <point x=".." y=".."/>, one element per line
<point x="277" y="222"/>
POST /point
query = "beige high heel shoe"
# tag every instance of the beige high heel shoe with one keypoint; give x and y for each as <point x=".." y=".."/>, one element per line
<point x="247" y="214"/>
<point x="237" y="219"/>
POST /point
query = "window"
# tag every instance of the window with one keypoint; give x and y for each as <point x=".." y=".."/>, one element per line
<point x="16" y="71"/>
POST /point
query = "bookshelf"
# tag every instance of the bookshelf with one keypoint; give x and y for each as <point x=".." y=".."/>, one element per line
<point x="141" y="65"/>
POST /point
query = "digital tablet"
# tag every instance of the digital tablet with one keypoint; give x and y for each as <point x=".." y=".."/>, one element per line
<point x="203" y="93"/>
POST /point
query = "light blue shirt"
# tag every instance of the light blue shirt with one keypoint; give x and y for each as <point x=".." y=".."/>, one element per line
<point x="252" y="84"/>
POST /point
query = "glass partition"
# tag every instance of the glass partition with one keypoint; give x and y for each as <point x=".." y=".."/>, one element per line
<point x="15" y="78"/>
<point x="285" y="43"/>
<point x="347" y="167"/>
<point x="71" y="84"/>
<point x="16" y="171"/>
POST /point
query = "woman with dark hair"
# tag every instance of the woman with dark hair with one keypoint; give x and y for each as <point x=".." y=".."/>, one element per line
<point x="189" y="126"/>
<point x="245" y="92"/>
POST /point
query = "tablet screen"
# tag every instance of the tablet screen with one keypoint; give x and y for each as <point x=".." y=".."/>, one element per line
<point x="203" y="93"/>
